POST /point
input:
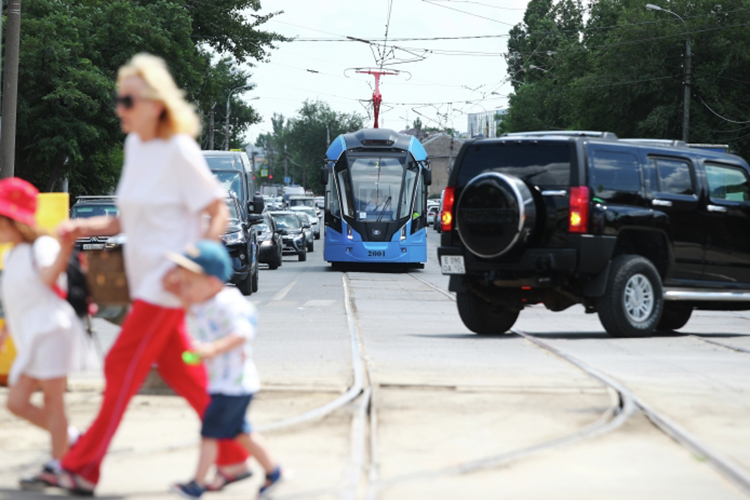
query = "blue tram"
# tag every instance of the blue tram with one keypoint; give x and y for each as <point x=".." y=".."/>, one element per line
<point x="376" y="198"/>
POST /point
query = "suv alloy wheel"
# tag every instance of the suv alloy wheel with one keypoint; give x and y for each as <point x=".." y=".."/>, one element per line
<point x="484" y="318"/>
<point x="633" y="302"/>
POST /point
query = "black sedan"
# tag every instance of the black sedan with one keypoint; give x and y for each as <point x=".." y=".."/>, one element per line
<point x="292" y="233"/>
<point x="269" y="242"/>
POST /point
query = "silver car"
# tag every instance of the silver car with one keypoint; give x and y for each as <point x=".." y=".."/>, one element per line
<point x="314" y="221"/>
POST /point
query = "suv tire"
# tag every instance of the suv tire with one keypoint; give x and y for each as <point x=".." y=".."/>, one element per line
<point x="633" y="302"/>
<point x="246" y="286"/>
<point x="275" y="263"/>
<point x="311" y="246"/>
<point x="255" y="280"/>
<point x="482" y="317"/>
<point x="674" y="317"/>
<point x="302" y="256"/>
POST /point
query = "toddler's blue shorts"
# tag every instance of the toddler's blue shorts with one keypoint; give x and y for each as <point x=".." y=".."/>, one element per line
<point x="225" y="417"/>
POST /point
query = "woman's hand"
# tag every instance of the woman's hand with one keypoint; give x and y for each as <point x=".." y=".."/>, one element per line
<point x="171" y="281"/>
<point x="71" y="230"/>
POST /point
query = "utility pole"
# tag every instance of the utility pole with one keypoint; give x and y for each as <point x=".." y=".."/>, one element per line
<point x="686" y="98"/>
<point x="211" y="128"/>
<point x="688" y="73"/>
<point x="10" y="94"/>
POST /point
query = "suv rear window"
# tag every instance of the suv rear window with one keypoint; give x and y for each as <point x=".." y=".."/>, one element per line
<point x="613" y="172"/>
<point x="545" y="165"/>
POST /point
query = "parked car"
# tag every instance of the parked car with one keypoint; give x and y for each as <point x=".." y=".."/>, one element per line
<point x="95" y="206"/>
<point x="292" y="235"/>
<point x="241" y="242"/>
<point x="314" y="220"/>
<point x="640" y="232"/>
<point x="438" y="225"/>
<point x="304" y="220"/>
<point x="235" y="173"/>
<point x="269" y="239"/>
<point x="432" y="214"/>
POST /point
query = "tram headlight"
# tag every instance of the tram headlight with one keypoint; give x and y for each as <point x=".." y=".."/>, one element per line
<point x="403" y="233"/>
<point x="349" y="232"/>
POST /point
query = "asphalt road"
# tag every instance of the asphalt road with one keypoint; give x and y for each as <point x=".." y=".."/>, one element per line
<point x="445" y="413"/>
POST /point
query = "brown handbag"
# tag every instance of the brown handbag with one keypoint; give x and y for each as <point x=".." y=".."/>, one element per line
<point x="106" y="277"/>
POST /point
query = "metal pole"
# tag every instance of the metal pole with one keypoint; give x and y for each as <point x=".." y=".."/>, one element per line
<point x="686" y="108"/>
<point x="226" y="124"/>
<point x="211" y="128"/>
<point x="10" y="95"/>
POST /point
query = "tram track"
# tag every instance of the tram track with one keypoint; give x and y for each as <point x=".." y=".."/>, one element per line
<point x="721" y="344"/>
<point x="629" y="403"/>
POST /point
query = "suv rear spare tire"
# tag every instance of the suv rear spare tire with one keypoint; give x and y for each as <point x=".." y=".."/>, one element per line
<point x="495" y="213"/>
<point x="633" y="301"/>
<point x="484" y="318"/>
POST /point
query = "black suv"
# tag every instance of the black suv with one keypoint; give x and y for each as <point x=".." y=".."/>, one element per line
<point x="241" y="241"/>
<point x="293" y="237"/>
<point x="640" y="231"/>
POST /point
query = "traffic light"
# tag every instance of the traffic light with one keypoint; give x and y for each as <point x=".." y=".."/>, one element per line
<point x="270" y="177"/>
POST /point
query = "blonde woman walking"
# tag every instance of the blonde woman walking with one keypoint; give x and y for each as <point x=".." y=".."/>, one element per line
<point x="164" y="193"/>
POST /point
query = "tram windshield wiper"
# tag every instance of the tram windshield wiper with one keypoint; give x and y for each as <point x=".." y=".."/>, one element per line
<point x="387" y="202"/>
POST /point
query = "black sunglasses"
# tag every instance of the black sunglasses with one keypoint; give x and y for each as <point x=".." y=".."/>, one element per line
<point x="126" y="101"/>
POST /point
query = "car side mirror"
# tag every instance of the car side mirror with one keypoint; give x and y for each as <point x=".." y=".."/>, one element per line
<point x="427" y="177"/>
<point x="256" y="206"/>
<point x="254" y="219"/>
<point x="324" y="172"/>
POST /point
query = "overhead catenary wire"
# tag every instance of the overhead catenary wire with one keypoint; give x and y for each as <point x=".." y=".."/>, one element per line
<point x="720" y="116"/>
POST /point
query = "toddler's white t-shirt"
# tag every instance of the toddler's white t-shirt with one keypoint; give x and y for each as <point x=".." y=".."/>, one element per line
<point x="232" y="373"/>
<point x="165" y="186"/>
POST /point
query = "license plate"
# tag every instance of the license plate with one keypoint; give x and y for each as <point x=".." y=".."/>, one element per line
<point x="452" y="264"/>
<point x="93" y="246"/>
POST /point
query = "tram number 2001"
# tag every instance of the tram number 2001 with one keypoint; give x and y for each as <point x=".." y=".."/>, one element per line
<point x="376" y="253"/>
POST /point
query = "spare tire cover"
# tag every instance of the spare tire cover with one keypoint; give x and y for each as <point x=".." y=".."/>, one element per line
<point x="495" y="213"/>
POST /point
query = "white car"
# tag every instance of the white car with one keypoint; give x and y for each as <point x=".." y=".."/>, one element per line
<point x="432" y="214"/>
<point x="320" y="202"/>
<point x="314" y="221"/>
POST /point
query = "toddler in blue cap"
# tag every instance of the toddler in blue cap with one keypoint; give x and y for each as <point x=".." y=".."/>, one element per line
<point x="226" y="323"/>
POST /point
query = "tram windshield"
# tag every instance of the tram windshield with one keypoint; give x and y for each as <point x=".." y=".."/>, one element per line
<point x="377" y="188"/>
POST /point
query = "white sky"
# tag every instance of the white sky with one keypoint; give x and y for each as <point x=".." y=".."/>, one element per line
<point x="284" y="83"/>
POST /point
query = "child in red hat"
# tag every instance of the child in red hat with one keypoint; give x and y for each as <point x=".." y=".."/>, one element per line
<point x="44" y="327"/>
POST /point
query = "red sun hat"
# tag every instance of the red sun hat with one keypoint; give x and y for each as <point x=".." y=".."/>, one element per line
<point x="18" y="200"/>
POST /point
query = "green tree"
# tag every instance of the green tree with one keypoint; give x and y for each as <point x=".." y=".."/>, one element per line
<point x="623" y="71"/>
<point x="70" y="53"/>
<point x="303" y="141"/>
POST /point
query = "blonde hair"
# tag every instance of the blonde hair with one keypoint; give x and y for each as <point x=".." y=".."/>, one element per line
<point x="179" y="117"/>
<point x="28" y="233"/>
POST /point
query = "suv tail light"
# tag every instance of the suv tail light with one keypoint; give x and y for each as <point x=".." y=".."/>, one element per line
<point x="578" y="221"/>
<point x="446" y="217"/>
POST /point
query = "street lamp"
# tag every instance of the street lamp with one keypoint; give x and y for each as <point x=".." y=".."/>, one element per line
<point x="688" y="62"/>
<point x="226" y="125"/>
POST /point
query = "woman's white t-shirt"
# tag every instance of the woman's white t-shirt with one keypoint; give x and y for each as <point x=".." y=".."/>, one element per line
<point x="37" y="316"/>
<point x="164" y="188"/>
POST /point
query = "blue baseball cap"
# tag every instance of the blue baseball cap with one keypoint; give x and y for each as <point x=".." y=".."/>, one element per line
<point x="205" y="257"/>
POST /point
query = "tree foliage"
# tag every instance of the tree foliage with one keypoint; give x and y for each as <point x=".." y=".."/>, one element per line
<point x="622" y="70"/>
<point x="70" y="53"/>
<point x="302" y="141"/>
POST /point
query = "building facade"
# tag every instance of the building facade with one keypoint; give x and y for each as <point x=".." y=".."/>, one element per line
<point x="441" y="150"/>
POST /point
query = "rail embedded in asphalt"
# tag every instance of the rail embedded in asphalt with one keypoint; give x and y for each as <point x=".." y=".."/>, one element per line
<point x="723" y="465"/>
